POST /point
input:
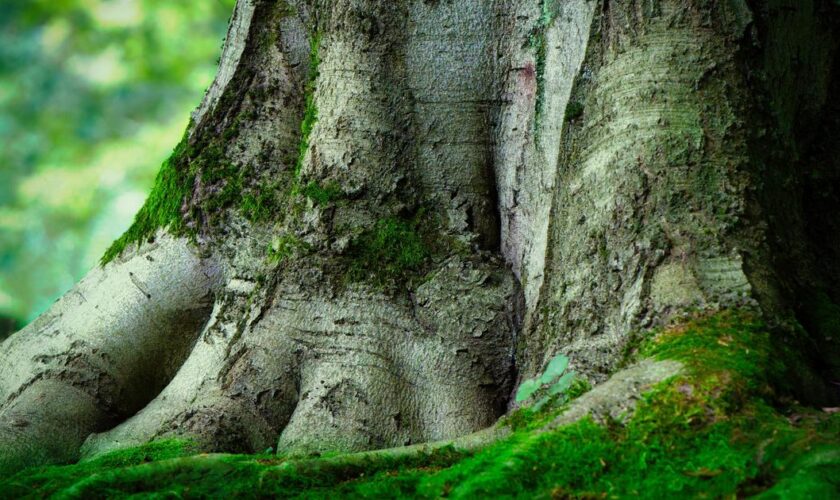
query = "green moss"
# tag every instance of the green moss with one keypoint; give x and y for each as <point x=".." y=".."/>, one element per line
<point x="214" y="476"/>
<point x="286" y="246"/>
<point x="715" y="431"/>
<point x="736" y="342"/>
<point x="51" y="480"/>
<point x="578" y="388"/>
<point x="162" y="208"/>
<point x="322" y="195"/>
<point x="313" y="190"/>
<point x="174" y="188"/>
<point x="259" y="207"/>
<point x="203" y="157"/>
<point x="310" y="114"/>
<point x="225" y="182"/>
<point x="393" y="249"/>
<point x="158" y="450"/>
<point x="200" y="182"/>
<point x="537" y="42"/>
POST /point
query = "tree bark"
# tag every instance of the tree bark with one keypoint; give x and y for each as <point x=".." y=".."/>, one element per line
<point x="332" y="258"/>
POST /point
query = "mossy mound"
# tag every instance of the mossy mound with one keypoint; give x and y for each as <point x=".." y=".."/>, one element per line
<point x="722" y="428"/>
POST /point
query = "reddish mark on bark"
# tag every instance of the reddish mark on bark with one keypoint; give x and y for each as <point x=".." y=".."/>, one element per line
<point x="529" y="72"/>
<point x="529" y="79"/>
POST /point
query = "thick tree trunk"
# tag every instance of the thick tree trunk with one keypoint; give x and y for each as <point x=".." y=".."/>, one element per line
<point x="670" y="170"/>
<point x="332" y="258"/>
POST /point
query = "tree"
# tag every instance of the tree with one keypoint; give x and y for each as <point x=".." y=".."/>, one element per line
<point x="384" y="214"/>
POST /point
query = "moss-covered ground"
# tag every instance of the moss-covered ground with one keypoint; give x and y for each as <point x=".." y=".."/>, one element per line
<point x="721" y="429"/>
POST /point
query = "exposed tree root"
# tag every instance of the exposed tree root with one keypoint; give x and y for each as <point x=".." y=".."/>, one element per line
<point x="101" y="352"/>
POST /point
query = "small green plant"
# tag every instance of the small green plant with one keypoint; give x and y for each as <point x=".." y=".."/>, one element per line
<point x="286" y="246"/>
<point x="553" y="383"/>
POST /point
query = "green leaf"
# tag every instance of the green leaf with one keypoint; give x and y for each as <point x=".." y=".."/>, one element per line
<point x="555" y="368"/>
<point x="527" y="389"/>
<point x="562" y="385"/>
<point x="539" y="404"/>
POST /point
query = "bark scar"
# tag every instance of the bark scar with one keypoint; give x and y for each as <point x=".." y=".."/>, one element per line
<point x="139" y="285"/>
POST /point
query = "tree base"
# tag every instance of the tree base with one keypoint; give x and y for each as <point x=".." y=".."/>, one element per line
<point x="717" y="423"/>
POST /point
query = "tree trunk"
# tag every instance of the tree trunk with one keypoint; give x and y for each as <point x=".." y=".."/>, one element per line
<point x="332" y="257"/>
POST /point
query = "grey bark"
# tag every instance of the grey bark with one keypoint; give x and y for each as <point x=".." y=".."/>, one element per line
<point x="330" y="365"/>
<point x="584" y="169"/>
<point x="101" y="352"/>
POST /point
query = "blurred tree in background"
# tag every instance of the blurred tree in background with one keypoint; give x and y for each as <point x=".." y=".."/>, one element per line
<point x="94" y="94"/>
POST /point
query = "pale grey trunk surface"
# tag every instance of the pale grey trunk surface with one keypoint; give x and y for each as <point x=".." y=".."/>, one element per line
<point x="576" y="170"/>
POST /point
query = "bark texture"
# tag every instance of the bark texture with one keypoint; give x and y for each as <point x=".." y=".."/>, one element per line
<point x="101" y="352"/>
<point x="661" y="175"/>
<point x="324" y="348"/>
<point x="384" y="213"/>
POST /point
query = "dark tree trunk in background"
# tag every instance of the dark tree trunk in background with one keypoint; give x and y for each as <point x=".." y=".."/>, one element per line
<point x="8" y="326"/>
<point x="384" y="214"/>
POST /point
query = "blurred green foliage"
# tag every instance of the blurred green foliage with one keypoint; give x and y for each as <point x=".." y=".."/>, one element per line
<point x="94" y="94"/>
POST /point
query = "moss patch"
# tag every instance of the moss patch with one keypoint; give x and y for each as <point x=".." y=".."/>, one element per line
<point x="257" y="207"/>
<point x="163" y="206"/>
<point x="537" y="43"/>
<point x="45" y="481"/>
<point x="393" y="249"/>
<point x="716" y="431"/>
<point x="286" y="246"/>
<point x="322" y="195"/>
<point x="310" y="115"/>
<point x="199" y="182"/>
<point x="196" y="168"/>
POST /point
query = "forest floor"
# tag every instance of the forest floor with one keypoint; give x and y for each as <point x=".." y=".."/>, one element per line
<point x="727" y="425"/>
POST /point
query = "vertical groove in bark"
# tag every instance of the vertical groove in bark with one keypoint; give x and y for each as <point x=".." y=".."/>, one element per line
<point x="450" y="61"/>
<point x="528" y="152"/>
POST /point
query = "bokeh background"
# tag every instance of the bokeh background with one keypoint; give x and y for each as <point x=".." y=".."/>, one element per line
<point x="94" y="94"/>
